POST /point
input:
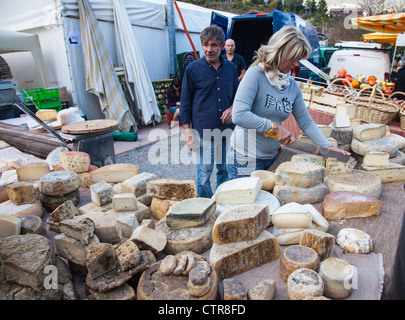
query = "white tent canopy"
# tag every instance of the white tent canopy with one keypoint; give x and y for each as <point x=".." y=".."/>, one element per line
<point x="12" y="41"/>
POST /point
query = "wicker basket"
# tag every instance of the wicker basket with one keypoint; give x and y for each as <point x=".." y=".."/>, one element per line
<point x="338" y="83"/>
<point x="369" y="94"/>
<point x="398" y="116"/>
<point x="402" y="117"/>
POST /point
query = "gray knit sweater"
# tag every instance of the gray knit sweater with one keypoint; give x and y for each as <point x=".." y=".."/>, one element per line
<point x="256" y="104"/>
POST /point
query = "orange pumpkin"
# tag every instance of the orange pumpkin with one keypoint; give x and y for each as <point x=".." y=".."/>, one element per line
<point x="341" y="73"/>
<point x="372" y="78"/>
<point x="371" y="82"/>
<point x="355" y="83"/>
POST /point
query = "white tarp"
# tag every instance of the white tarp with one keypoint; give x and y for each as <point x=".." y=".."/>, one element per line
<point x="136" y="74"/>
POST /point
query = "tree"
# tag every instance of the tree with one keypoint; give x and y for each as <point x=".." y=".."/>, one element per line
<point x="295" y="6"/>
<point x="322" y="7"/>
<point x="311" y="4"/>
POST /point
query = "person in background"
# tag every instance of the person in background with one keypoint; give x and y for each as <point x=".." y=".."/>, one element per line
<point x="173" y="99"/>
<point x="209" y="87"/>
<point x="399" y="84"/>
<point x="266" y="96"/>
<point x="235" y="58"/>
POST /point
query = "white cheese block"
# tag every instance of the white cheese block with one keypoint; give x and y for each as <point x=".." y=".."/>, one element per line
<point x="286" y="194"/>
<point x="149" y="239"/>
<point x="243" y="223"/>
<point x="57" y="183"/>
<point x="114" y="173"/>
<point x="383" y="144"/>
<point x="354" y="240"/>
<point x="188" y="213"/>
<point x="172" y="189"/>
<point x="264" y="289"/>
<point x="299" y="174"/>
<point x="336" y="167"/>
<point x="370" y="131"/>
<point x="138" y="183"/>
<point x="346" y="110"/>
<point x="9" y="226"/>
<point x="376" y="159"/>
<point x="198" y="239"/>
<point x="358" y="181"/>
<point x="106" y="227"/>
<point x="393" y="173"/>
<point x="159" y="207"/>
<point x="317" y="218"/>
<point x="238" y="191"/>
<point x="296" y="257"/>
<point x="101" y="193"/>
<point x="304" y="283"/>
<point x="3" y="166"/>
<point x="32" y="171"/>
<point x="76" y="161"/>
<point x="350" y="204"/>
<point x="234" y="258"/>
<point x="319" y="241"/>
<point x="341" y="121"/>
<point x="268" y="178"/>
<point x="313" y="158"/>
<point x="124" y="202"/>
<point x="292" y="215"/>
<point x="337" y="275"/>
<point x="22" y="192"/>
<point x="141" y="212"/>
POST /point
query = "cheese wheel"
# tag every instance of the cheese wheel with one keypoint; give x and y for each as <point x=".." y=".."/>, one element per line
<point x="75" y="161"/>
<point x="337" y="276"/>
<point x="287" y="194"/>
<point x="381" y="145"/>
<point x="268" y="178"/>
<point x="308" y="157"/>
<point x="296" y="257"/>
<point x="57" y="183"/>
<point x="304" y="283"/>
<point x="50" y="203"/>
<point x="197" y="239"/>
<point x="299" y="174"/>
<point x="242" y="223"/>
<point x="321" y="242"/>
<point x="354" y="240"/>
<point x="369" y="131"/>
<point x="358" y="181"/>
<point x="398" y="159"/>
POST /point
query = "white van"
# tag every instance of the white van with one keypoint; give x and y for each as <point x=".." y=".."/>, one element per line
<point x="360" y="59"/>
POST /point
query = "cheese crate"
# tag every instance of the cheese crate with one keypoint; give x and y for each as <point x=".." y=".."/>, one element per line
<point x="42" y="98"/>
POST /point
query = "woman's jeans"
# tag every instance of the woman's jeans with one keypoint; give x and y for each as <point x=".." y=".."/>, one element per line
<point x="239" y="169"/>
<point x="210" y="151"/>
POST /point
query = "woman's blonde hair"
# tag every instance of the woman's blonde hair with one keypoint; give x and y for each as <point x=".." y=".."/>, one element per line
<point x="286" y="44"/>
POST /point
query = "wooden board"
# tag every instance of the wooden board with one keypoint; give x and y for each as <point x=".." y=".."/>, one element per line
<point x="90" y="126"/>
<point x="153" y="285"/>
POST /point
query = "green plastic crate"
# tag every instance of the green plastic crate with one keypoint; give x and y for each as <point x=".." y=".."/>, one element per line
<point x="43" y="98"/>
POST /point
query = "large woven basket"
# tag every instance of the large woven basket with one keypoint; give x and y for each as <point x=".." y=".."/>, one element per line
<point x="372" y="107"/>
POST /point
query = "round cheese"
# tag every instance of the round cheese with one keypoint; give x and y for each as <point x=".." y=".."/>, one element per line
<point x="308" y="157"/>
<point x="299" y="174"/>
<point x="337" y="276"/>
<point x="304" y="283"/>
<point x="287" y="194"/>
<point x="198" y="239"/>
<point x="50" y="203"/>
<point x="358" y="181"/>
<point x="354" y="240"/>
<point x="384" y="144"/>
<point x="58" y="183"/>
<point x="268" y="178"/>
<point x="399" y="139"/>
<point x="297" y="257"/>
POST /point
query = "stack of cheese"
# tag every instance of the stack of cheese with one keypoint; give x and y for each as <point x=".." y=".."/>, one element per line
<point x="325" y="129"/>
<point x="370" y="142"/>
<point x="78" y="162"/>
<point x="188" y="225"/>
<point x="137" y="185"/>
<point x="300" y="181"/>
<point x="292" y="219"/>
<point x="342" y="131"/>
<point x="241" y="242"/>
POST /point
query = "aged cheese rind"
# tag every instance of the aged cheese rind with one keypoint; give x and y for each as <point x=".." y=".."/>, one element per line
<point x="381" y="145"/>
<point x="80" y="228"/>
<point x="299" y="174"/>
<point x="350" y="204"/>
<point x="114" y="173"/>
<point x="296" y="257"/>
<point x="308" y="157"/>
<point x="319" y="241"/>
<point x="357" y="181"/>
<point x="101" y="193"/>
<point x="172" y="189"/>
<point x="354" y="240"/>
<point x="197" y="239"/>
<point x="393" y="173"/>
<point x="287" y="194"/>
<point x="128" y="255"/>
<point x="337" y="275"/>
<point x="243" y="223"/>
<point x="138" y="183"/>
<point x="238" y="191"/>
<point x="100" y="259"/>
<point x="369" y="131"/>
<point x="22" y="192"/>
<point x="50" y="203"/>
<point x="264" y="289"/>
<point x="66" y="210"/>
<point x="234" y="258"/>
<point x="189" y="213"/>
<point x="304" y="283"/>
<point x="58" y="183"/>
<point x="400" y="140"/>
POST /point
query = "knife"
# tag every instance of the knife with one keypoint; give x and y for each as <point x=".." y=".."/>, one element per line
<point x="308" y="147"/>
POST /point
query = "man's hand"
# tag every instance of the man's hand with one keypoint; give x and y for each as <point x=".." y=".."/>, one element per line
<point x="227" y="116"/>
<point x="191" y="141"/>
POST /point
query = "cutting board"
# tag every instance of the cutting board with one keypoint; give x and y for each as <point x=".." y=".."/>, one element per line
<point x="90" y="126"/>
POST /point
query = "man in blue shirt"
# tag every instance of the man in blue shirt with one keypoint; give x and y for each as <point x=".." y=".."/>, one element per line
<point x="235" y="58"/>
<point x="208" y="90"/>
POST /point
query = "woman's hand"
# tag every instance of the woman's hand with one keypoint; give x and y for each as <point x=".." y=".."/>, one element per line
<point x="346" y="153"/>
<point x="284" y="136"/>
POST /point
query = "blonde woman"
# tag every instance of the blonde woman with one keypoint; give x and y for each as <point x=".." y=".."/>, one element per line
<point x="266" y="96"/>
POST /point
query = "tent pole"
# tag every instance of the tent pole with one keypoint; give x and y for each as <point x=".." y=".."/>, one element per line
<point x="172" y="37"/>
